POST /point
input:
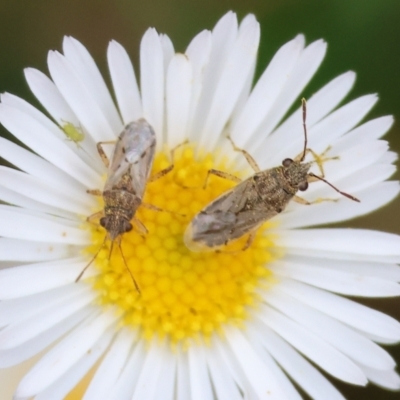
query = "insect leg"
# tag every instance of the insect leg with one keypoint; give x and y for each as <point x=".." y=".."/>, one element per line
<point x="221" y="174"/>
<point x="95" y="216"/>
<point x="252" y="162"/>
<point x="161" y="173"/>
<point x="167" y="170"/>
<point x="126" y="266"/>
<point x="250" y="240"/>
<point x="300" y="200"/>
<point x="313" y="178"/>
<point x="155" y="208"/>
<point x="91" y="261"/>
<point x="101" y="152"/>
<point x="95" y="192"/>
<point x="318" y="159"/>
<point x="139" y="227"/>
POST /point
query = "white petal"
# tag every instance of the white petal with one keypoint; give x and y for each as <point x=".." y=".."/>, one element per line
<point x="386" y="271"/>
<point x="366" y="177"/>
<point x="351" y="313"/>
<point x="75" y="92"/>
<point x="377" y="339"/>
<point x="318" y="106"/>
<point x="9" y="377"/>
<point x="332" y="255"/>
<point x="23" y="106"/>
<point x="336" y="281"/>
<point x="64" y="355"/>
<point x="17" y="334"/>
<point x="352" y="241"/>
<point x="385" y="379"/>
<point x="298" y="368"/>
<point x="179" y="92"/>
<point x="200" y="385"/>
<point x="168" y="50"/>
<point x="49" y="96"/>
<point x="266" y="91"/>
<point x="111" y="366"/>
<point x="28" y="279"/>
<point x="356" y="346"/>
<point x="235" y="72"/>
<point x="223" y="383"/>
<point x="313" y="347"/>
<point x="242" y="98"/>
<point x="61" y="388"/>
<point x="11" y="197"/>
<point x="224" y="36"/>
<point x="35" y="188"/>
<point x="124" y="387"/>
<point x="271" y="368"/>
<point x="167" y="379"/>
<point x="124" y="83"/>
<point x="323" y="133"/>
<point x="19" y="226"/>
<point x="182" y="380"/>
<point x="198" y="52"/>
<point x="91" y="78"/>
<point x="252" y="366"/>
<point x="37" y="344"/>
<point x="41" y="140"/>
<point x="341" y="209"/>
<point x="15" y="310"/>
<point x="354" y="159"/>
<point x="26" y="250"/>
<point x="389" y="157"/>
<point x="340" y="121"/>
<point x="370" y="130"/>
<point x="146" y="386"/>
<point x="152" y="81"/>
<point x="308" y="62"/>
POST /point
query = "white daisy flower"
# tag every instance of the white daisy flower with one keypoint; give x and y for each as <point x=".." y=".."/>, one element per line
<point x="206" y="325"/>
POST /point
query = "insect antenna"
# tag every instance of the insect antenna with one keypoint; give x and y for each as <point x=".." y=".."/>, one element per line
<point x="90" y="262"/>
<point x="126" y="265"/>
<point x="333" y="187"/>
<point x="304" y="106"/>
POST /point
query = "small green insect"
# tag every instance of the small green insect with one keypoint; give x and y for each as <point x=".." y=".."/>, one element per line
<point x="73" y="133"/>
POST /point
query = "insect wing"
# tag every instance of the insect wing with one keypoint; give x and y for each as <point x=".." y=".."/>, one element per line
<point x="133" y="154"/>
<point x="229" y="217"/>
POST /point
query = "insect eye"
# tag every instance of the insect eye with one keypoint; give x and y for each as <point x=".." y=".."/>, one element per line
<point x="303" y="186"/>
<point x="103" y="221"/>
<point x="128" y="227"/>
<point x="286" y="162"/>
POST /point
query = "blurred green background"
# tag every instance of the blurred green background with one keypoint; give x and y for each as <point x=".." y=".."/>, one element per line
<point x="363" y="35"/>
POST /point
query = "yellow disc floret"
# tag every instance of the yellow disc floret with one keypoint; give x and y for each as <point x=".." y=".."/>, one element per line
<point x="182" y="294"/>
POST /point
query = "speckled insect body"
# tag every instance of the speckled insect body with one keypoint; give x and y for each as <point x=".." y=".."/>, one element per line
<point x="252" y="202"/>
<point x="128" y="173"/>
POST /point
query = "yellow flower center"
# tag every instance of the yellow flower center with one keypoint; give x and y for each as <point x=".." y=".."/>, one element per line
<point x="182" y="294"/>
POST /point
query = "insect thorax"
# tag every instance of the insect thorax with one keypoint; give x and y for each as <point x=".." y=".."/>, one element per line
<point x="296" y="173"/>
<point x="119" y="208"/>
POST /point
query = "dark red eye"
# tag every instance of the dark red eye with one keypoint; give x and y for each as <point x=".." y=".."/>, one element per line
<point x="303" y="186"/>
<point x="102" y="221"/>
<point x="286" y="162"/>
<point x="128" y="227"/>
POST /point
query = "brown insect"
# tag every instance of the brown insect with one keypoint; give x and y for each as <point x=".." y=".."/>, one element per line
<point x="128" y="174"/>
<point x="254" y="200"/>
